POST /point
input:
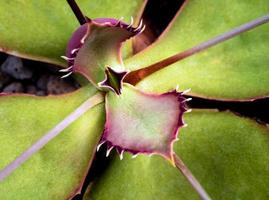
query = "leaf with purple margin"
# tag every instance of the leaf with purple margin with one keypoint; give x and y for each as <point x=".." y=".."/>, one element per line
<point x="94" y="50"/>
<point x="140" y="122"/>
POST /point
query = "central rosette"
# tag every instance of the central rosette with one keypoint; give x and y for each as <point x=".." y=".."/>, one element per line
<point x="94" y="51"/>
<point x="136" y="121"/>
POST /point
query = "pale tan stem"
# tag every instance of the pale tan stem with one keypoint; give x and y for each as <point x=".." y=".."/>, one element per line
<point x="189" y="176"/>
<point x="135" y="76"/>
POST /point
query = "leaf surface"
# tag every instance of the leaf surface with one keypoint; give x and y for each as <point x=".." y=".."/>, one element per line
<point x="228" y="155"/>
<point x="234" y="70"/>
<point x="98" y="44"/>
<point x="140" y="122"/>
<point x="57" y="170"/>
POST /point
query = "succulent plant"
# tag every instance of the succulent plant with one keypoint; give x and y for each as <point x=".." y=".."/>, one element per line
<point x="136" y="104"/>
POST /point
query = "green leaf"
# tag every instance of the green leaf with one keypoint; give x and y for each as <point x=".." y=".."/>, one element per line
<point x="236" y="69"/>
<point x="229" y="156"/>
<point x="40" y="30"/>
<point x="57" y="170"/>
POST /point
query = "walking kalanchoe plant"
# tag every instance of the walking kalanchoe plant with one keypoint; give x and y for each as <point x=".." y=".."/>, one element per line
<point x="137" y="121"/>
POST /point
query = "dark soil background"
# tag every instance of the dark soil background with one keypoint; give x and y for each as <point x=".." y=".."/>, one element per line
<point x="24" y="76"/>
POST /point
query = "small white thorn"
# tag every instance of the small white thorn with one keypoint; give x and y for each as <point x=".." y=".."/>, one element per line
<point x="119" y="20"/>
<point x="134" y="156"/>
<point x="186" y="91"/>
<point x="74" y="51"/>
<point x="107" y="23"/>
<point x="67" y="59"/>
<point x="143" y="28"/>
<point x="131" y="23"/>
<point x="108" y="151"/>
<point x="99" y="145"/>
<point x="184" y="125"/>
<point x="188" y="99"/>
<point x="188" y="111"/>
<point x="64" y="76"/>
<point x="82" y="41"/>
<point x="177" y="87"/>
<point x="121" y="155"/>
<point x="140" y="25"/>
<point x="66" y="69"/>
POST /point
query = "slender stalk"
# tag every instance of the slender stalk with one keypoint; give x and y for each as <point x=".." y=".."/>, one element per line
<point x="192" y="180"/>
<point x="76" y="10"/>
<point x="94" y="100"/>
<point x="136" y="76"/>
